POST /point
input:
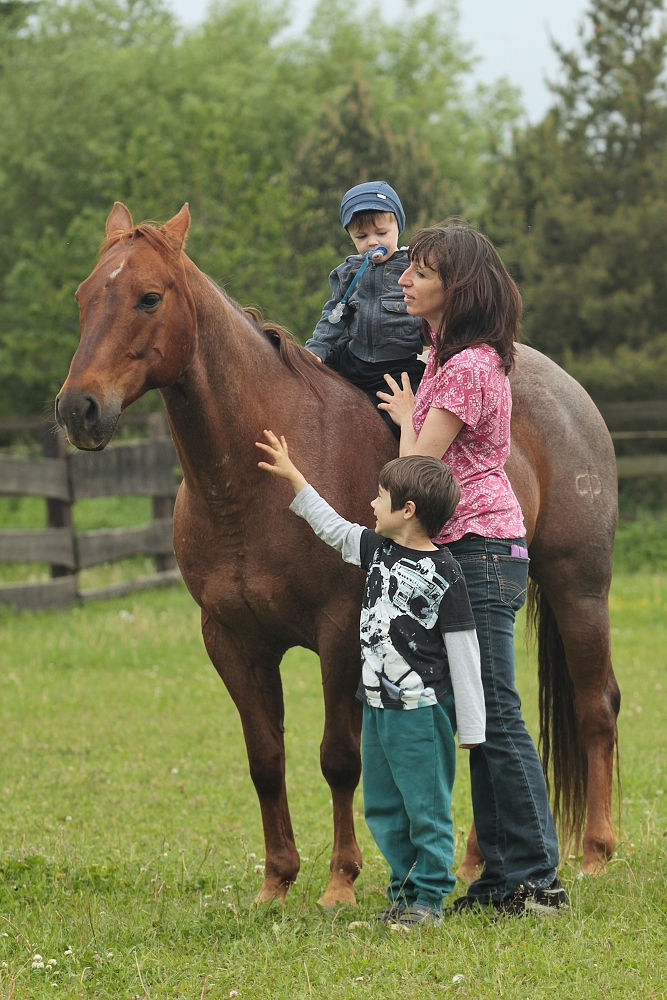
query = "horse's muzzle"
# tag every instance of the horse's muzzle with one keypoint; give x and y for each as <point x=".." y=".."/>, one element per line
<point x="88" y="423"/>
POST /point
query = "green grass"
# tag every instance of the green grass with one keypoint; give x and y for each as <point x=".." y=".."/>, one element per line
<point x="130" y="832"/>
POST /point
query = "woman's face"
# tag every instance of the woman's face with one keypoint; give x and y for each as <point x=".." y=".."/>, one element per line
<point x="423" y="292"/>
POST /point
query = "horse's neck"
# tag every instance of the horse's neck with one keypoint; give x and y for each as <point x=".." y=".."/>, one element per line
<point x="210" y="407"/>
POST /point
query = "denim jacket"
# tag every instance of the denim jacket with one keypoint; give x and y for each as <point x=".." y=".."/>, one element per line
<point x="375" y="315"/>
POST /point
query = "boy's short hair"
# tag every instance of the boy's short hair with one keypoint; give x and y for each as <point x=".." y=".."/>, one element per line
<point x="366" y="217"/>
<point x="428" y="482"/>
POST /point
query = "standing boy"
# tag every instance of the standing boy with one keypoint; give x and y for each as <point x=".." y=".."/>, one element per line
<point x="365" y="331"/>
<point x="420" y="669"/>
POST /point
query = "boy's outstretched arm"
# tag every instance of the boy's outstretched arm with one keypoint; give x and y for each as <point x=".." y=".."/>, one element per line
<point x="342" y="535"/>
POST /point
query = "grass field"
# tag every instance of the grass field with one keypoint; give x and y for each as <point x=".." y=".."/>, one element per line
<point x="130" y="832"/>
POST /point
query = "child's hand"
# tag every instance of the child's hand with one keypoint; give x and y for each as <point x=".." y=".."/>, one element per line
<point x="316" y="356"/>
<point x="283" y="465"/>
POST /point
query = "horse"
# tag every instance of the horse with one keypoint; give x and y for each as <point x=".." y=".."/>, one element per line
<point x="150" y="319"/>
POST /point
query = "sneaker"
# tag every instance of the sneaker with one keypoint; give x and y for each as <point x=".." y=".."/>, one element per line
<point x="391" y="914"/>
<point x="467" y="904"/>
<point x="542" y="902"/>
<point x="419" y="914"/>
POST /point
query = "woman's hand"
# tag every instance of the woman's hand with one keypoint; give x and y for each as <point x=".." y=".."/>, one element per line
<point x="283" y="466"/>
<point x="400" y="404"/>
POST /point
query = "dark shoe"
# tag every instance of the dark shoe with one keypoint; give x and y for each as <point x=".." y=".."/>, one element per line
<point x="391" y="914"/>
<point x="468" y="904"/>
<point x="541" y="902"/>
<point x="419" y="914"/>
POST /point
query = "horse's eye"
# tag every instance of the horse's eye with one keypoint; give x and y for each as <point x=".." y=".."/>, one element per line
<point x="149" y="301"/>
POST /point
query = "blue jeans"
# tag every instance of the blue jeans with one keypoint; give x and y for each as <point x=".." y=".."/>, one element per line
<point x="515" y="828"/>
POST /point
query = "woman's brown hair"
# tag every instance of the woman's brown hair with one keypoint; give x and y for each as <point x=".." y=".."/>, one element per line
<point x="482" y="302"/>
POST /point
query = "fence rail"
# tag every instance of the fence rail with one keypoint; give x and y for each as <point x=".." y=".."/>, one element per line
<point x="141" y="468"/>
<point x="146" y="468"/>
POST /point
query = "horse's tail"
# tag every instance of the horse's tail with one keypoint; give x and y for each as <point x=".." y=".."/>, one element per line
<point x="563" y="758"/>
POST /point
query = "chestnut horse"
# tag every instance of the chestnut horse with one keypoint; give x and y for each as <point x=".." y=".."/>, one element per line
<point x="150" y="319"/>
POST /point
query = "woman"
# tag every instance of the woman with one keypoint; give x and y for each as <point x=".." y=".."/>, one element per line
<point x="471" y="307"/>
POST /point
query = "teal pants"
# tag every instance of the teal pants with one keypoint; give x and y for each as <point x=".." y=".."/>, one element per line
<point x="408" y="768"/>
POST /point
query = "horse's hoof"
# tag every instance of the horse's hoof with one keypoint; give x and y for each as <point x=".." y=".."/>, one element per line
<point x="469" y="872"/>
<point x="594" y="866"/>
<point x="270" y="893"/>
<point x="339" y="893"/>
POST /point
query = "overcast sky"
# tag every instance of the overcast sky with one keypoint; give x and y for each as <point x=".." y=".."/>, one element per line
<point x="510" y="36"/>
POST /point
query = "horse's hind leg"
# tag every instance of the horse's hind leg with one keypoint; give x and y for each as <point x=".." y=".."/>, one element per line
<point x="340" y="758"/>
<point x="253" y="681"/>
<point x="583" y="624"/>
<point x="473" y="863"/>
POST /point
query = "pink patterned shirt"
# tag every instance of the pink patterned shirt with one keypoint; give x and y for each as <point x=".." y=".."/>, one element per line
<point x="473" y="386"/>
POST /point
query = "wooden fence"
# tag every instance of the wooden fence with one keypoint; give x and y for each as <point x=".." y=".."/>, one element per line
<point x="141" y="468"/>
<point x="147" y="468"/>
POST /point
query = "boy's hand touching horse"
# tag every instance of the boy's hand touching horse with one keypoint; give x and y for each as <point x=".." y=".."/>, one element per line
<point x="283" y="465"/>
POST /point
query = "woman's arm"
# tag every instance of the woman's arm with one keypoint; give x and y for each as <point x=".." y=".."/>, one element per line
<point x="439" y="429"/>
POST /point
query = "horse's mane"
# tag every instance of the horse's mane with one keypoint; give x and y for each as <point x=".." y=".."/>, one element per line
<point x="295" y="357"/>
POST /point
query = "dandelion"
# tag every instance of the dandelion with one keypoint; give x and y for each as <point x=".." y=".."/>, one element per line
<point x="4" y="934"/>
<point x="359" y="979"/>
<point x="174" y="770"/>
<point x="252" y="855"/>
<point x="458" y="978"/>
<point x="259" y="869"/>
<point x="69" y="951"/>
<point x="109" y="954"/>
<point x="4" y="965"/>
<point x="38" y="965"/>
<point x="51" y="962"/>
<point x="125" y="616"/>
<point x="68" y="819"/>
<point x="233" y="993"/>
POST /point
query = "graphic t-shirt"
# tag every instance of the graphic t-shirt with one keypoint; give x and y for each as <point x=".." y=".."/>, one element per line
<point x="411" y="598"/>
<point x="418" y="638"/>
<point x="474" y="386"/>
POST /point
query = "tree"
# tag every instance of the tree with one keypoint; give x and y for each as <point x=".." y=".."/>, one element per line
<point x="106" y="99"/>
<point x="579" y="207"/>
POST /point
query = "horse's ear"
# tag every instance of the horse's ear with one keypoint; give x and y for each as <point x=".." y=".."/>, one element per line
<point x="177" y="228"/>
<point x="119" y="220"/>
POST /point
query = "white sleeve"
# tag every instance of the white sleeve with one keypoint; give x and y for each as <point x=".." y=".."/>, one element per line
<point x="342" y="535"/>
<point x="464" y="668"/>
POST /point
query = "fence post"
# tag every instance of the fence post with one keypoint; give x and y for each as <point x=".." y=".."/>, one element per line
<point x="158" y="427"/>
<point x="59" y="512"/>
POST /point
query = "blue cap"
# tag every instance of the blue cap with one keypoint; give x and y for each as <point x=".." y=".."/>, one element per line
<point x="373" y="196"/>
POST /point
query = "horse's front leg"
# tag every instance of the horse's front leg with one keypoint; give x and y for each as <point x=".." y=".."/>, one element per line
<point x="340" y="756"/>
<point x="253" y="681"/>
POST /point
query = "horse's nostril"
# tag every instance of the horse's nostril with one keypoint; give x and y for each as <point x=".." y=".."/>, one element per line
<point x="90" y="412"/>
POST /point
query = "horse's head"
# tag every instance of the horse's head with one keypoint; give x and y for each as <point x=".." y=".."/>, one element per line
<point x="138" y="326"/>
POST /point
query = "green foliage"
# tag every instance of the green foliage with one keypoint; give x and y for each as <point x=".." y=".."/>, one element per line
<point x="106" y="99"/>
<point x="580" y="206"/>
<point x="112" y="715"/>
